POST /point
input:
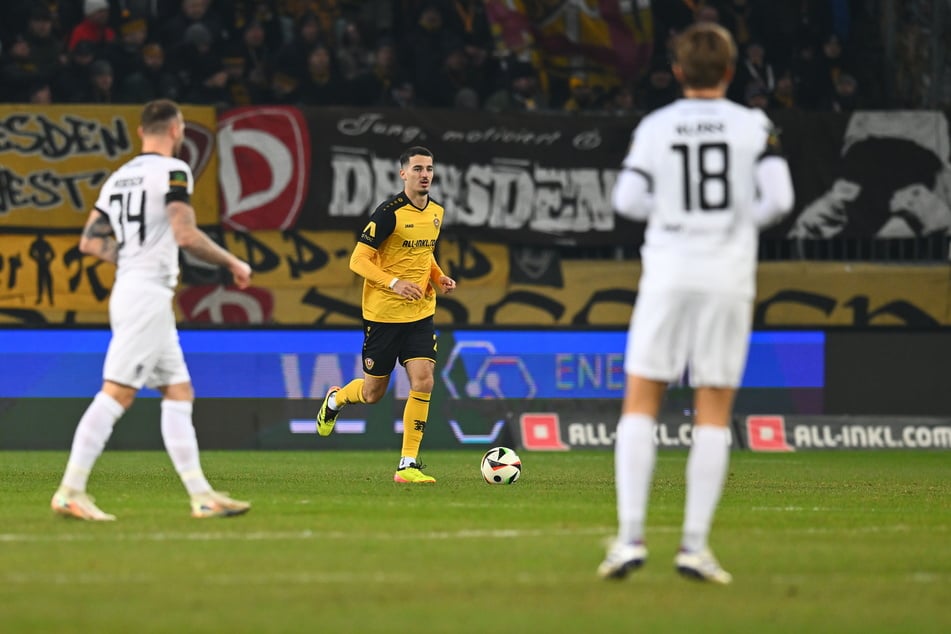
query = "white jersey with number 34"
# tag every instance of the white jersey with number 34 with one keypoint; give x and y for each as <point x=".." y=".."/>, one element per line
<point x="134" y="198"/>
<point x="699" y="161"/>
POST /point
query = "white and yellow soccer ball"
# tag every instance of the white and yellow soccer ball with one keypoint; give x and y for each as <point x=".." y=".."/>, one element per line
<point x="501" y="465"/>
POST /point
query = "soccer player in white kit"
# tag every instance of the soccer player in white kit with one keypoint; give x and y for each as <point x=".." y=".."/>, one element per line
<point x="142" y="217"/>
<point x="706" y="174"/>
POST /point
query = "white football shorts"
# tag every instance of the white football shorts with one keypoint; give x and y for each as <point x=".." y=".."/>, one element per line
<point x="144" y="349"/>
<point x="707" y="334"/>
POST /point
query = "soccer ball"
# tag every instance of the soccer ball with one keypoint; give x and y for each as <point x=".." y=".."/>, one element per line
<point x="501" y="465"/>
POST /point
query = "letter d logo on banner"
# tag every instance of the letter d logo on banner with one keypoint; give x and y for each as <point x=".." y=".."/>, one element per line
<point x="263" y="168"/>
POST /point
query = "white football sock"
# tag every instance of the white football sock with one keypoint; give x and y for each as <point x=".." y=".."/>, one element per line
<point x="332" y="402"/>
<point x="406" y="461"/>
<point x="90" y="439"/>
<point x="706" y="472"/>
<point x="178" y="433"/>
<point x="634" y="456"/>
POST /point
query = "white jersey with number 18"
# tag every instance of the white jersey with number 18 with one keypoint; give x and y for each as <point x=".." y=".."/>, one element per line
<point x="134" y="198"/>
<point x="699" y="159"/>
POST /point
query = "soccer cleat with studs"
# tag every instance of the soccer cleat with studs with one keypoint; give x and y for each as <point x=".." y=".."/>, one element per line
<point x="413" y="474"/>
<point x="217" y="504"/>
<point x="702" y="566"/>
<point x="621" y="559"/>
<point x="326" y="417"/>
<point x="71" y="503"/>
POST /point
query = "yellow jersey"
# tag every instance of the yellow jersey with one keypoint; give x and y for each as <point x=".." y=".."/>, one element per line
<point x="403" y="238"/>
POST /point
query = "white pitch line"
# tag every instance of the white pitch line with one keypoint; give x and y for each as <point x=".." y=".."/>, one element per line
<point x="307" y="535"/>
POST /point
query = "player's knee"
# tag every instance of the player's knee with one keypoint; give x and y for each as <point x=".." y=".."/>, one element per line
<point x="373" y="393"/>
<point x="422" y="385"/>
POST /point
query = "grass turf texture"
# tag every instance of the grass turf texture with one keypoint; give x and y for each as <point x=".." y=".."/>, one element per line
<point x="822" y="542"/>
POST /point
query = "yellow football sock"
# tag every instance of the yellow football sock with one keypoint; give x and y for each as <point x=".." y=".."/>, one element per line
<point x="352" y="392"/>
<point x="414" y="422"/>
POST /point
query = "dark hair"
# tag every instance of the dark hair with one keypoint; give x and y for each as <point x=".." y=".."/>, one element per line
<point x="156" y="115"/>
<point x="416" y="150"/>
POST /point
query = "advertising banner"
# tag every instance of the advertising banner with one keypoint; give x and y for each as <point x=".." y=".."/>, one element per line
<point x="512" y="178"/>
<point x="772" y="433"/>
<point x="867" y="174"/>
<point x="54" y="159"/>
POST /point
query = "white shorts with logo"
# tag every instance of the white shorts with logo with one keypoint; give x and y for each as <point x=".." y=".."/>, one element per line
<point x="707" y="334"/>
<point x="144" y="349"/>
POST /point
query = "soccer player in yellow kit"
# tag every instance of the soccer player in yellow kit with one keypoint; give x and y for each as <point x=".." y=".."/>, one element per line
<point x="395" y="256"/>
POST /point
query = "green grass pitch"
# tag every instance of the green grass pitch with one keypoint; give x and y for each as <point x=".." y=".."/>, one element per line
<point x="817" y="542"/>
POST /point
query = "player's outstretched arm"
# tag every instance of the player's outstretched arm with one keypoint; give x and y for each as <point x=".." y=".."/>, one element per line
<point x="98" y="239"/>
<point x="197" y="243"/>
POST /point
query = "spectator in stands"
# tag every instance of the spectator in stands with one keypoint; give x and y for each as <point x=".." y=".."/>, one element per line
<point x="267" y="15"/>
<point x="153" y="81"/>
<point x="257" y="60"/>
<point x="832" y="63"/>
<point x="125" y="54"/>
<point x="658" y="88"/>
<point x="752" y="67"/>
<point x="621" y="101"/>
<point x="99" y="87"/>
<point x="756" y="95"/>
<point x="94" y="27"/>
<point x="374" y="88"/>
<point x="192" y="12"/>
<point x="46" y="49"/>
<point x="582" y="96"/>
<point x="199" y="67"/>
<point x="403" y="95"/>
<point x="327" y="13"/>
<point x="40" y="92"/>
<point x="72" y="79"/>
<point x="523" y="93"/>
<point x="845" y="95"/>
<point x="353" y="56"/>
<point x="18" y="71"/>
<point x="290" y="65"/>
<point x="322" y="86"/>
<point x="426" y="46"/>
<point x="784" y="95"/>
<point x="456" y="74"/>
<point x="807" y="77"/>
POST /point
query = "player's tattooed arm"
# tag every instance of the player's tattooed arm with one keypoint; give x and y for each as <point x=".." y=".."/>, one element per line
<point x="98" y="239"/>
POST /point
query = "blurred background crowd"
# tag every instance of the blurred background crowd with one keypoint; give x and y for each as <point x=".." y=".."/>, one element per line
<point x="809" y="54"/>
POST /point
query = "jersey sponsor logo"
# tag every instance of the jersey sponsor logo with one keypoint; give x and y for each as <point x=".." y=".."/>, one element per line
<point x="264" y="167"/>
<point x="409" y="226"/>
<point x="417" y="244"/>
<point x="436" y="222"/>
<point x="177" y="179"/>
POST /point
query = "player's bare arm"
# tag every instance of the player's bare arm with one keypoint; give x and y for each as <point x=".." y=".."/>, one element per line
<point x="98" y="239"/>
<point x="197" y="243"/>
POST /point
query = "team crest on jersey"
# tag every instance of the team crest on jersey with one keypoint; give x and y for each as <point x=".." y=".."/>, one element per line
<point x="368" y="363"/>
<point x="436" y="222"/>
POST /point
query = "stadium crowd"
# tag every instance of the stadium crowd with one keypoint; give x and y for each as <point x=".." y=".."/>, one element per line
<point x="810" y="54"/>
